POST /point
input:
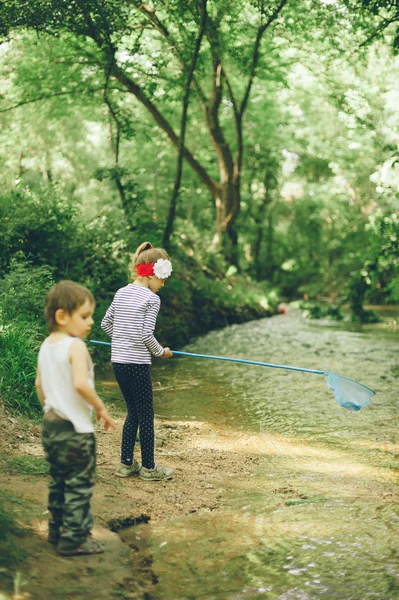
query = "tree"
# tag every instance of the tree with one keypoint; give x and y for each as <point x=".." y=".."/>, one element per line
<point x="137" y="45"/>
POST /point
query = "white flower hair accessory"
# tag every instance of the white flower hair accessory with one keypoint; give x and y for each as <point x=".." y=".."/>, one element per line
<point x="162" y="268"/>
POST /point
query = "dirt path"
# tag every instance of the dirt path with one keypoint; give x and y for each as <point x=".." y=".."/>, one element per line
<point x="201" y="480"/>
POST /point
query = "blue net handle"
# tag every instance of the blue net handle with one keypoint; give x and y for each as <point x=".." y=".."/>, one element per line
<point x="348" y="393"/>
<point x="237" y="360"/>
<point x="248" y="362"/>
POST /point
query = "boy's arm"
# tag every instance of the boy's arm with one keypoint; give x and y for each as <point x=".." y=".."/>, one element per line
<point x="39" y="389"/>
<point x="107" y="324"/>
<point x="78" y="357"/>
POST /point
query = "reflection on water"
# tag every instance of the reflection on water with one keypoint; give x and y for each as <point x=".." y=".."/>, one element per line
<point x="266" y="399"/>
<point x="319" y="519"/>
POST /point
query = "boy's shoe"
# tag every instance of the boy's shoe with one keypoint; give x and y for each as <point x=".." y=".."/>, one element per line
<point x="126" y="471"/>
<point x="89" y="546"/>
<point x="53" y="536"/>
<point x="158" y="473"/>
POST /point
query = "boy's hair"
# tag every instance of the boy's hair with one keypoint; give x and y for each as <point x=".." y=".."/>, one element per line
<point x="68" y="296"/>
<point x="147" y="254"/>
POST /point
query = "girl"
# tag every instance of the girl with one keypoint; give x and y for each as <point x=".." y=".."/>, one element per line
<point x="130" y="322"/>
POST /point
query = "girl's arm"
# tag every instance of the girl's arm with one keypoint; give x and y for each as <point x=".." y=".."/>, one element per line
<point x="78" y="357"/>
<point x="150" y="319"/>
<point x="107" y="324"/>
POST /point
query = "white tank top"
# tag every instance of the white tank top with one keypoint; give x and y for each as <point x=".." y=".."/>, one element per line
<point x="59" y="392"/>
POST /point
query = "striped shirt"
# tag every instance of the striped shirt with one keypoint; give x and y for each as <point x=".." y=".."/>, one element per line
<point x="130" y="322"/>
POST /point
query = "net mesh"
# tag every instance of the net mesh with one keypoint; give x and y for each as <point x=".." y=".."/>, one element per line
<point x="348" y="393"/>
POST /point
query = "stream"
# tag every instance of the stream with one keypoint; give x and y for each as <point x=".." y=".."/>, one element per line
<point x="319" y="519"/>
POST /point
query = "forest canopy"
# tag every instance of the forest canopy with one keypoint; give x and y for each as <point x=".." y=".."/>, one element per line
<point x="284" y="116"/>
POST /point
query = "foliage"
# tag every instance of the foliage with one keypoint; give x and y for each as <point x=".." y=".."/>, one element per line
<point x="22" y="291"/>
<point x="144" y="52"/>
<point x="389" y="11"/>
<point x="309" y="181"/>
<point x="295" y="137"/>
<point x="18" y="358"/>
<point x="356" y="297"/>
<point x="89" y="251"/>
<point x="33" y="224"/>
<point x="315" y="310"/>
<point x="378" y="278"/>
<point x="192" y="301"/>
<point x="381" y="265"/>
<point x="22" y="327"/>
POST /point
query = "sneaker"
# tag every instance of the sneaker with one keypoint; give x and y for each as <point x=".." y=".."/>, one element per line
<point x="158" y="473"/>
<point x="53" y="537"/>
<point x="126" y="471"/>
<point x="89" y="546"/>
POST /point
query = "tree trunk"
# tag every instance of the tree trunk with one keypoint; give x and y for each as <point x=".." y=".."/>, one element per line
<point x="257" y="247"/>
<point x="269" y="247"/>
<point x="227" y="203"/>
<point x="20" y="165"/>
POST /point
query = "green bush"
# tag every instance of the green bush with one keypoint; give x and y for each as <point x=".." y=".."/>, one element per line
<point x="19" y="346"/>
<point x="377" y="281"/>
<point x="58" y="243"/>
<point x="49" y="231"/>
<point x="393" y="289"/>
<point x="314" y="310"/>
<point x="22" y="328"/>
<point x="22" y="293"/>
<point x="357" y="292"/>
<point x="40" y="227"/>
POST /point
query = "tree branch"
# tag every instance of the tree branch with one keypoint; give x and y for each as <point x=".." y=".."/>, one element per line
<point x="255" y="54"/>
<point x="159" y="26"/>
<point x="175" y="194"/>
<point x="222" y="149"/>
<point x="48" y="96"/>
<point x="238" y="126"/>
<point x="135" y="89"/>
<point x="380" y="28"/>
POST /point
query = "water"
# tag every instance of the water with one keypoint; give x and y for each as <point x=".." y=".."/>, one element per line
<point x="320" y="517"/>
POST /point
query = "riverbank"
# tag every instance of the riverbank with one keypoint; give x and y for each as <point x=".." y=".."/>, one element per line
<point x="278" y="491"/>
<point x="213" y="465"/>
<point x="202" y="477"/>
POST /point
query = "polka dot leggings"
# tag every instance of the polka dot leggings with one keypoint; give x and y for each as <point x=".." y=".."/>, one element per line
<point x="134" y="381"/>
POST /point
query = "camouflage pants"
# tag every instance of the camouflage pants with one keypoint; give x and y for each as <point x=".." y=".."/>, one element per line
<point x="72" y="460"/>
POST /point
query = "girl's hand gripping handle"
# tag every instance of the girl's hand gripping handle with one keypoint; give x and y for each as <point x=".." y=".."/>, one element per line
<point x="166" y="353"/>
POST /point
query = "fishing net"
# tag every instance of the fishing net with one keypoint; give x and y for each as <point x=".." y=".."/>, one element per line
<point x="348" y="393"/>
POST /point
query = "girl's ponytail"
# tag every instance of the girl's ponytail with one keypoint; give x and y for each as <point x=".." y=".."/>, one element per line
<point x="142" y="248"/>
<point x="146" y="254"/>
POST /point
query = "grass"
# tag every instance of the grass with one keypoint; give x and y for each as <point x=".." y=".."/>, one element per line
<point x="18" y="357"/>
<point x="297" y="501"/>
<point x="26" y="465"/>
<point x="121" y="594"/>
<point x="11" y="553"/>
<point x="64" y="591"/>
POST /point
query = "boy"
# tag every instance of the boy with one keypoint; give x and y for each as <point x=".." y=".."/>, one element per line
<point x="65" y="388"/>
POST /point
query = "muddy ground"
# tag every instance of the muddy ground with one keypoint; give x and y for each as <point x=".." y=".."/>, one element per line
<point x="202" y="475"/>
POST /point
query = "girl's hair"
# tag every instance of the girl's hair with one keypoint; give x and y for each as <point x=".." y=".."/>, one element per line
<point x="67" y="295"/>
<point x="146" y="254"/>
